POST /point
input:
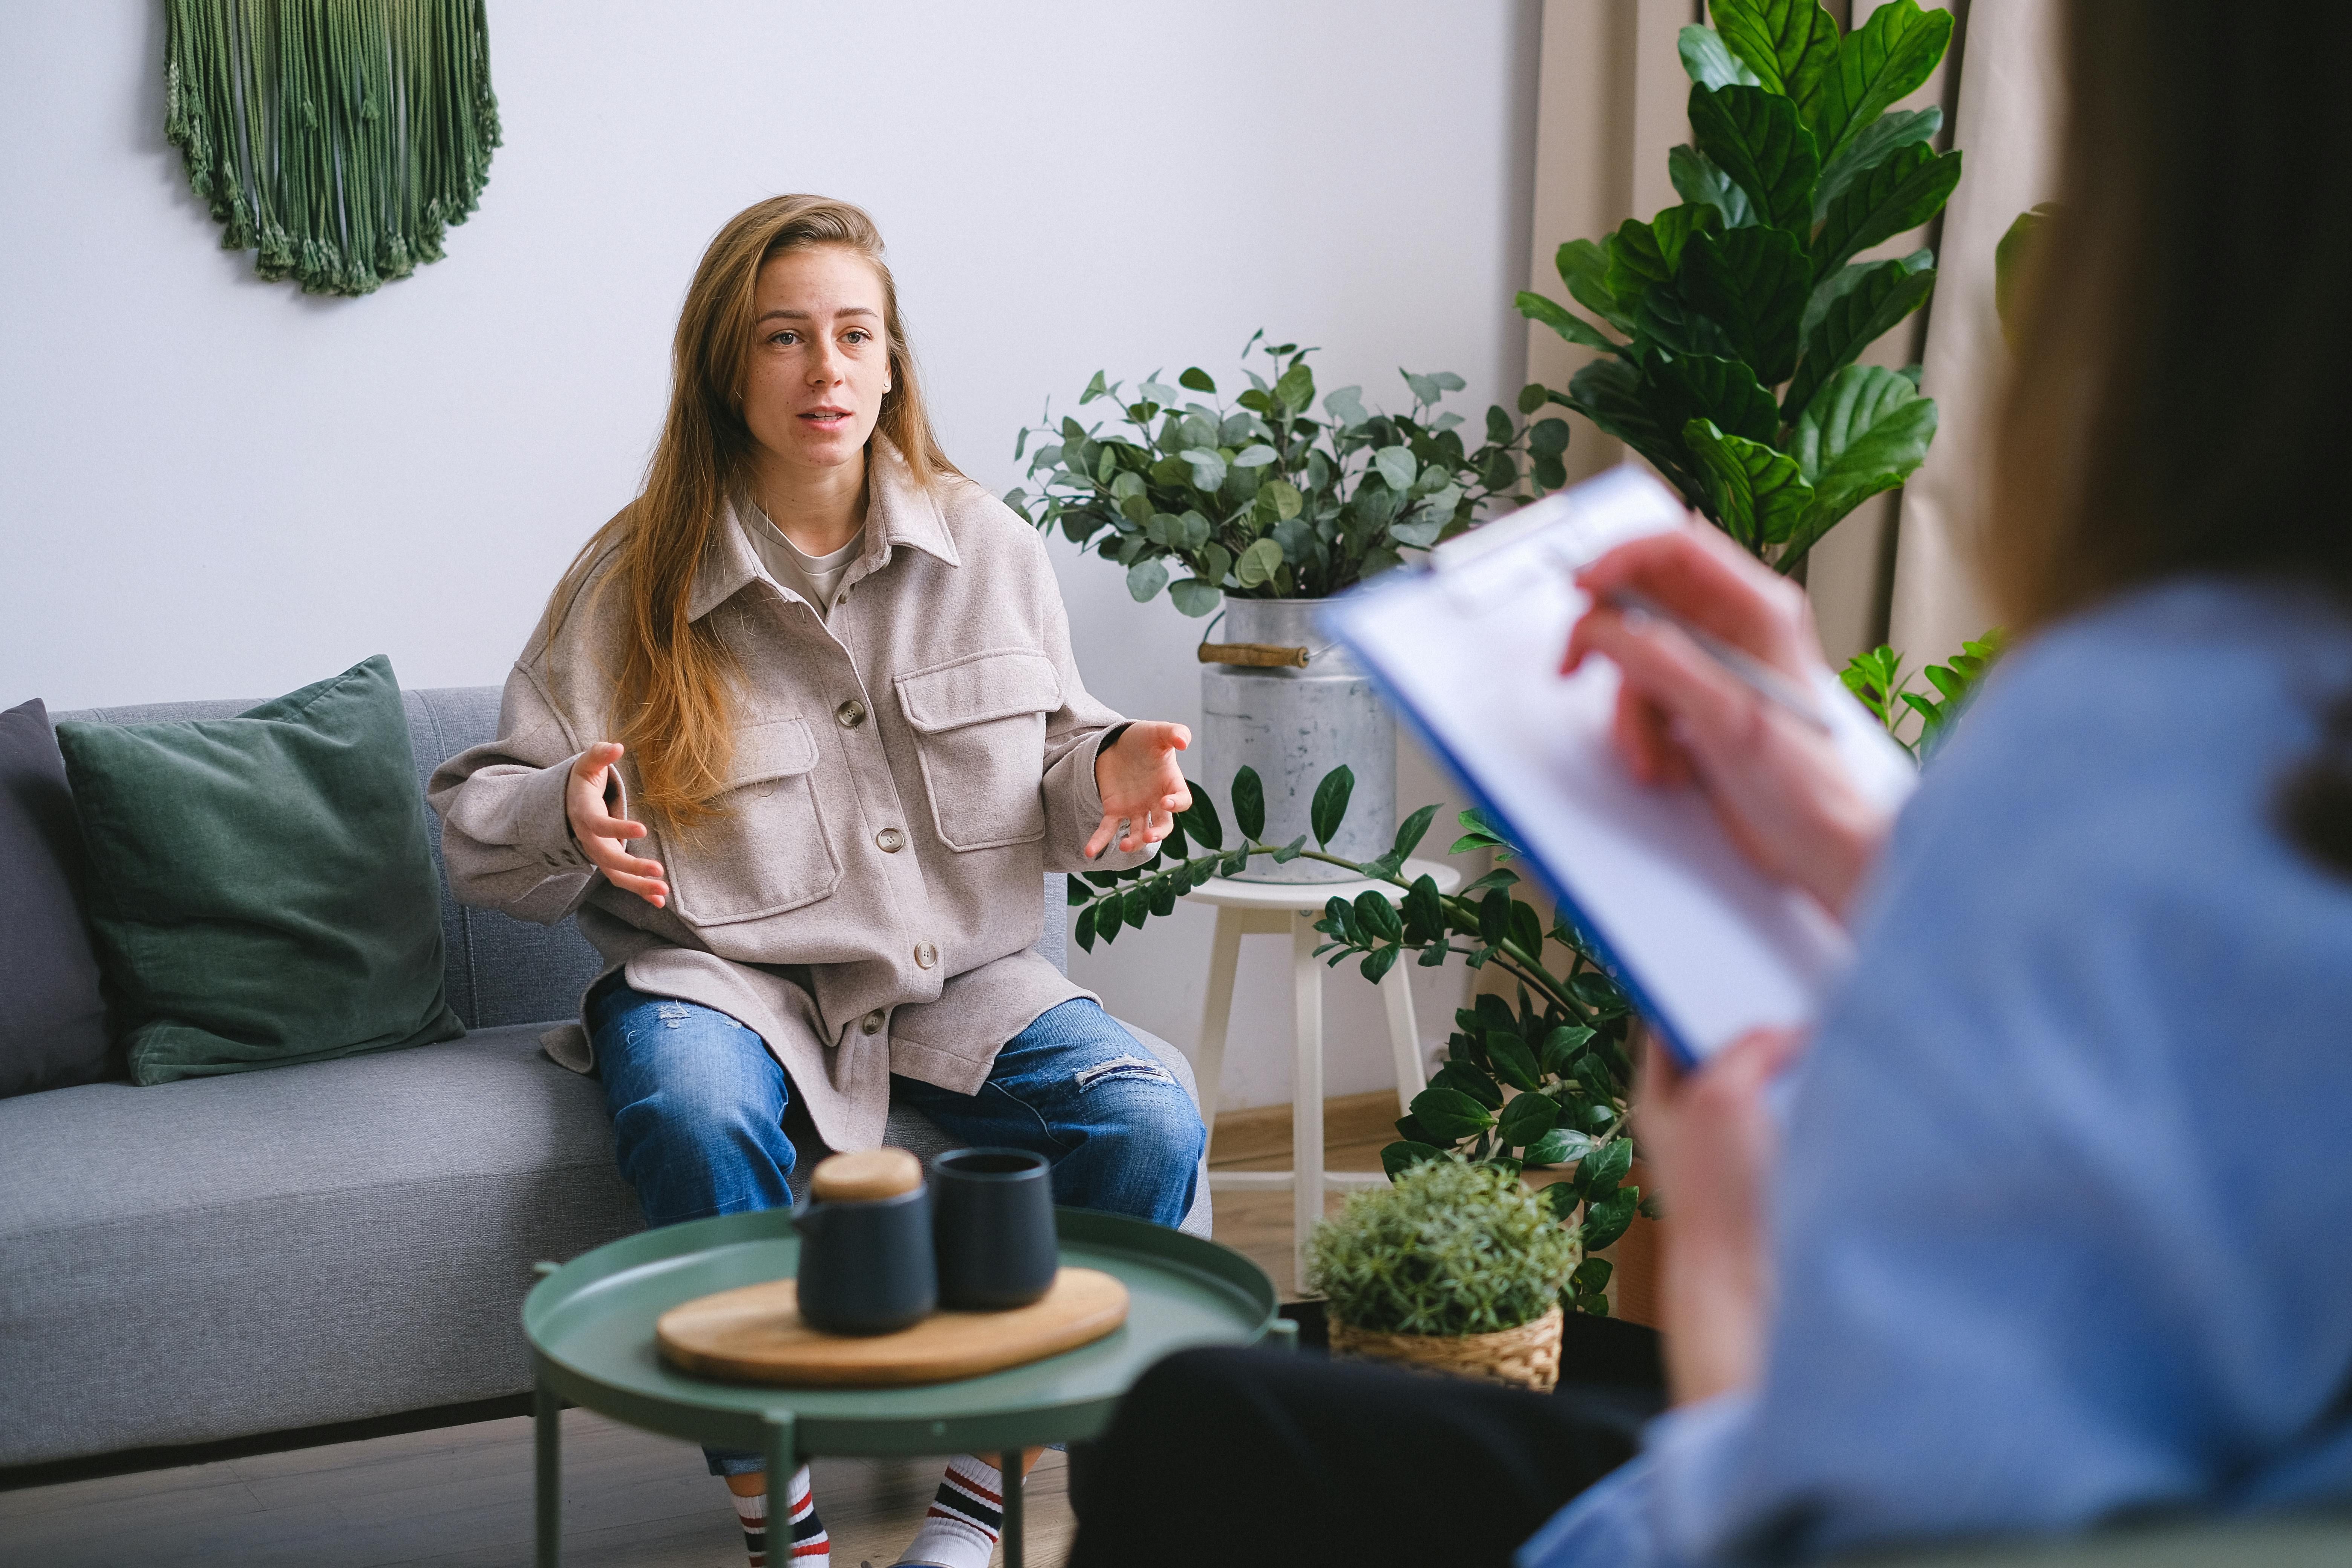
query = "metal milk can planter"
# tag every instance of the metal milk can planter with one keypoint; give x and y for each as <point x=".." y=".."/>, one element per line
<point x="1293" y="724"/>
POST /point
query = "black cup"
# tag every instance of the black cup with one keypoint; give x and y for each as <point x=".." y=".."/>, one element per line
<point x="865" y="1267"/>
<point x="993" y="1225"/>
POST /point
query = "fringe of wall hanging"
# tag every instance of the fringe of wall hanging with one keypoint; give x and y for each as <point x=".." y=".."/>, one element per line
<point x="336" y="139"/>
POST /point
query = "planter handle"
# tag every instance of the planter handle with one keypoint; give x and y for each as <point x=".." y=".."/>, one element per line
<point x="1258" y="655"/>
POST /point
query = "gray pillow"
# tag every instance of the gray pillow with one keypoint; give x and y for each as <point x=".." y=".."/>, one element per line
<point x="52" y="1016"/>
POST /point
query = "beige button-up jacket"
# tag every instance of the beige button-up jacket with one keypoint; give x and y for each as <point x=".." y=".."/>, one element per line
<point x="905" y="773"/>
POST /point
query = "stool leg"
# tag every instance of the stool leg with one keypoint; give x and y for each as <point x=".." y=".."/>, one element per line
<point x="1306" y="1088"/>
<point x="1008" y="1468"/>
<point x="1216" y="1012"/>
<point x="546" y="1434"/>
<point x="1404" y="1035"/>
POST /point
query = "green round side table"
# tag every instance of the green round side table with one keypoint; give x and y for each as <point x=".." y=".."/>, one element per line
<point x="591" y="1327"/>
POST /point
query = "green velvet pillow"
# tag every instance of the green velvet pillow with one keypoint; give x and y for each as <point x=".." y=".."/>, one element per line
<point x="261" y="889"/>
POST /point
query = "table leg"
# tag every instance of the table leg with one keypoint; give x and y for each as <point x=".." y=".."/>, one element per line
<point x="1405" y="1035"/>
<point x="783" y="1461"/>
<point x="547" y="1434"/>
<point x="1306" y="1088"/>
<point x="1009" y="1467"/>
<point x="1216" y="1012"/>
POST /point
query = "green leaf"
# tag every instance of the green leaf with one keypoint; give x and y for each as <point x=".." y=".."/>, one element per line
<point x="1495" y="920"/>
<point x="1904" y="192"/>
<point x="1450" y="1114"/>
<point x="1330" y="804"/>
<point x="1879" y="142"/>
<point x="1526" y="1119"/>
<point x="1296" y="390"/>
<point x="1561" y="1146"/>
<point x="1709" y="62"/>
<point x="1256" y="456"/>
<point x="1707" y="386"/>
<point x="2009" y="261"/>
<point x="1095" y="388"/>
<point x="1146" y="578"/>
<point x="1198" y="380"/>
<point x="1258" y="565"/>
<point x="1752" y="282"/>
<point x="1865" y="432"/>
<point x="1560" y="1197"/>
<point x="1136" y="905"/>
<point x="1790" y="45"/>
<point x="1249" y="803"/>
<point x="1195" y="595"/>
<point x="1698" y="182"/>
<point x="1200" y="820"/>
<point x="1083" y="930"/>
<point x="1347" y="406"/>
<point x="1513" y="1062"/>
<point x="1878" y="64"/>
<point x="1758" y="493"/>
<point x="1606" y="1220"/>
<point x="1078" y="893"/>
<point x="1409" y="833"/>
<point x="1593" y="1305"/>
<point x="1592" y="1275"/>
<point x="1398" y="1158"/>
<point x="1584" y="268"/>
<point x="1854" y="318"/>
<point x="1564" y="321"/>
<point x="1562" y="1047"/>
<point x="1533" y="396"/>
<point x="1377" y="916"/>
<point x="1755" y="136"/>
<point x="1208" y="466"/>
<point x="1642" y="256"/>
<point x="1547" y="437"/>
<point x="1471" y="1079"/>
<point x="1396" y="467"/>
<point x="1499" y="428"/>
<point x="1602" y="1173"/>
<point x="1609" y="392"/>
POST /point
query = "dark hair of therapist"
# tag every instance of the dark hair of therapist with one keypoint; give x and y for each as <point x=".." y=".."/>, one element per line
<point x="2043" y="1228"/>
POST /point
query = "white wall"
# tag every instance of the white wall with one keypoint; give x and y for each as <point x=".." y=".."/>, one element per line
<point x="210" y="486"/>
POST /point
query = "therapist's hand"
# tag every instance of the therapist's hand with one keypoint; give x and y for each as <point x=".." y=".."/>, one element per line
<point x="1775" y="782"/>
<point x="1711" y="1146"/>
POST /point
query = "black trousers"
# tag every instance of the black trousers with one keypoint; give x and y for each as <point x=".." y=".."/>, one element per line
<point x="1259" y="1457"/>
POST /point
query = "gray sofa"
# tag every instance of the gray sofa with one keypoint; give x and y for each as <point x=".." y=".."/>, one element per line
<point x="253" y="1256"/>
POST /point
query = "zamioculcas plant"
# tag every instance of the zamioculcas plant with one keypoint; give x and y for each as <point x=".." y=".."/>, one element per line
<point x="1539" y="1083"/>
<point x="1729" y="325"/>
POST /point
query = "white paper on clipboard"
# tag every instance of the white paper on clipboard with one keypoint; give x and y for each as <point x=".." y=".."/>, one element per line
<point x="1469" y="651"/>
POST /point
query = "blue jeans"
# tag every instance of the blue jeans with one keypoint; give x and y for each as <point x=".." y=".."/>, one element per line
<point x="699" y="1106"/>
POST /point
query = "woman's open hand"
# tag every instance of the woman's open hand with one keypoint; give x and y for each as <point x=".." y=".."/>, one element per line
<point x="604" y="838"/>
<point x="1141" y="787"/>
<point x="1775" y="782"/>
<point x="1711" y="1143"/>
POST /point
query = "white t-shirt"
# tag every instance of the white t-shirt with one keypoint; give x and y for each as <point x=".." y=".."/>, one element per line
<point x="816" y="578"/>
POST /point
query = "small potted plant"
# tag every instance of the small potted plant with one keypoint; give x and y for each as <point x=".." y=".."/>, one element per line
<point x="1455" y="1268"/>
<point x="1268" y="510"/>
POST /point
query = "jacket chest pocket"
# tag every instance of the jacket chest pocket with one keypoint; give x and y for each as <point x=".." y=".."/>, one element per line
<point x="766" y="851"/>
<point x="980" y="728"/>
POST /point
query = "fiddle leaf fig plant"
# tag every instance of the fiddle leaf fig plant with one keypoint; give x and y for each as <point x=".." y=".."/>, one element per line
<point x="1541" y="1081"/>
<point x="1263" y="499"/>
<point x="1729" y="325"/>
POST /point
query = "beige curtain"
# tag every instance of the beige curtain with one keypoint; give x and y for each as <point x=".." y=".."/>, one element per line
<point x="2009" y="100"/>
<point x="1611" y="101"/>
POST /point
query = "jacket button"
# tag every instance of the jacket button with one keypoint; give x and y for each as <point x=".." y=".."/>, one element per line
<point x="926" y="955"/>
<point x="851" y="713"/>
<point x="889" y="841"/>
<point x="872" y="1021"/>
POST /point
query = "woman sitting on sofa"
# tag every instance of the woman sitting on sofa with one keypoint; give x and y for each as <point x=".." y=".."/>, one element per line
<point x="798" y="737"/>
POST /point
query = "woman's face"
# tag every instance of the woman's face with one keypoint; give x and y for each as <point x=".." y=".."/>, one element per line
<point x="820" y="357"/>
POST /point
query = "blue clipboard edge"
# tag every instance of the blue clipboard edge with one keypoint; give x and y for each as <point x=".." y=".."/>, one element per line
<point x="1334" y="621"/>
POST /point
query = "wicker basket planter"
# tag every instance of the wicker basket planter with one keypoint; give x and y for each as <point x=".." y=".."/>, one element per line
<point x="1524" y="1357"/>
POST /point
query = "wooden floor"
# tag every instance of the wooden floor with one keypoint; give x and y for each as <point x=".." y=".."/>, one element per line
<point x="460" y="1496"/>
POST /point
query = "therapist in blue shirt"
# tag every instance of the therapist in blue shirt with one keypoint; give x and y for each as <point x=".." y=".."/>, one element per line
<point x="2046" y="1227"/>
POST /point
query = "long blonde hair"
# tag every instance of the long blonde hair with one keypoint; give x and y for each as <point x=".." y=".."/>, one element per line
<point x="674" y="678"/>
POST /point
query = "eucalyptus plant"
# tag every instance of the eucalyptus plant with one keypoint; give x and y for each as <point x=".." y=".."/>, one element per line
<point x="1262" y="500"/>
<point x="1728" y="326"/>
<point x="1539" y="1081"/>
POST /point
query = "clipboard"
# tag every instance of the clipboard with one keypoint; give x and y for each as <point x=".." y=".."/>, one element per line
<point x="1467" y="650"/>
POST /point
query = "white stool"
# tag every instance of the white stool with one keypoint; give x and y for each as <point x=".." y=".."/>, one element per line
<point x="1277" y="908"/>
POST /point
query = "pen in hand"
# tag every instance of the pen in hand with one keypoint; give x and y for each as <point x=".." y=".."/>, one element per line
<point x="1740" y="665"/>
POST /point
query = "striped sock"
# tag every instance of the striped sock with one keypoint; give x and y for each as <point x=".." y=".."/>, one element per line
<point x="812" y="1548"/>
<point x="964" y="1521"/>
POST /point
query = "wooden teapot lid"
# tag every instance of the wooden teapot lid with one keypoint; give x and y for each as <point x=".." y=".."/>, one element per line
<point x="865" y="1176"/>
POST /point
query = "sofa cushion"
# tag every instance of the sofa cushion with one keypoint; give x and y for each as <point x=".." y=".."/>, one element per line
<point x="52" y="1015"/>
<point x="224" y="1255"/>
<point x="261" y="889"/>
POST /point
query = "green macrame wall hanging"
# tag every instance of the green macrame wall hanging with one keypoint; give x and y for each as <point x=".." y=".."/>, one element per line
<point x="336" y="139"/>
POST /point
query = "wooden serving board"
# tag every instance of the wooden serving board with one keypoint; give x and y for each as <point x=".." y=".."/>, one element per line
<point x="755" y="1334"/>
